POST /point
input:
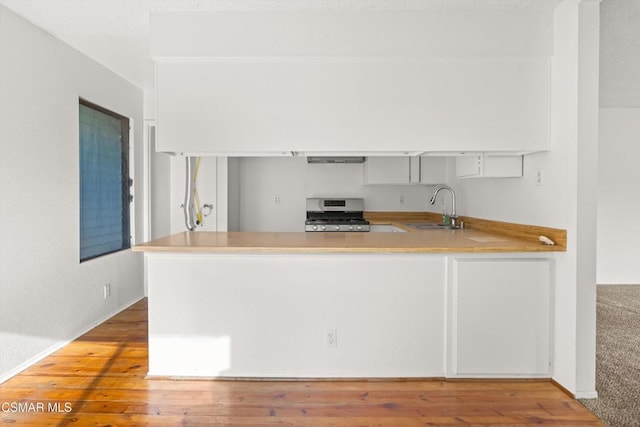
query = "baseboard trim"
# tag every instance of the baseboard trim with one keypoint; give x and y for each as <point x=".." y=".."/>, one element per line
<point x="563" y="388"/>
<point x="57" y="346"/>
<point x="151" y="376"/>
<point x="254" y="378"/>
<point x="586" y="395"/>
<point x="577" y="394"/>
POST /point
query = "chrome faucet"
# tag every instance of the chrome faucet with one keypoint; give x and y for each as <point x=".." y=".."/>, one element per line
<point x="453" y="216"/>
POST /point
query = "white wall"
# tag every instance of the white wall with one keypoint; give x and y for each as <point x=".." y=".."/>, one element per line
<point x="46" y="296"/>
<point x="620" y="54"/>
<point x="233" y="191"/>
<point x="567" y="199"/>
<point x="159" y="170"/>
<point x="126" y="55"/>
<point x="293" y="180"/>
<point x="618" y="196"/>
<point x="207" y="192"/>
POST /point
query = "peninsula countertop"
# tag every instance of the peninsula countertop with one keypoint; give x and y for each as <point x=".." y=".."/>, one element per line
<point x="481" y="238"/>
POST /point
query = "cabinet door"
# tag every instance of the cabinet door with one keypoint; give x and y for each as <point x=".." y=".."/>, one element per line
<point x="469" y="166"/>
<point x="499" y="319"/>
<point x="387" y="170"/>
<point x="414" y="170"/>
<point x="488" y="166"/>
<point x="502" y="166"/>
<point x="433" y="170"/>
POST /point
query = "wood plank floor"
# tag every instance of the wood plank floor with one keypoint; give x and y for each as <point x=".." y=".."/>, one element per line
<point x="99" y="379"/>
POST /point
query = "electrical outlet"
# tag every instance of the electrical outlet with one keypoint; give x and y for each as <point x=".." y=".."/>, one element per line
<point x="402" y="198"/>
<point x="332" y="337"/>
<point x="539" y="177"/>
<point x="107" y="290"/>
<point x="276" y="200"/>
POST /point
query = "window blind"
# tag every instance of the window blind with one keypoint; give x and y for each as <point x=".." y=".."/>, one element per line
<point x="104" y="182"/>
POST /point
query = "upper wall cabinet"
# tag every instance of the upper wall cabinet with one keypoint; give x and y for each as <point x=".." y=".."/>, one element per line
<point x="392" y="170"/>
<point x="405" y="170"/>
<point x="488" y="166"/>
<point x="407" y="81"/>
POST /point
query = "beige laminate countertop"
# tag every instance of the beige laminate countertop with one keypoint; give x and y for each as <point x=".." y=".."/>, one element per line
<point x="428" y="241"/>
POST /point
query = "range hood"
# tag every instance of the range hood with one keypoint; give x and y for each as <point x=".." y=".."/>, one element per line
<point x="335" y="159"/>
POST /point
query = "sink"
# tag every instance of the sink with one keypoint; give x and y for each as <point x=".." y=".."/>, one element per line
<point x="385" y="228"/>
<point x="429" y="226"/>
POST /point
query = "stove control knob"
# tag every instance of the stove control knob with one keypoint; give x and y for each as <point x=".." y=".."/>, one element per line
<point x="350" y="227"/>
<point x="322" y="227"/>
<point x="315" y="227"/>
<point x="359" y="227"/>
<point x="337" y="227"/>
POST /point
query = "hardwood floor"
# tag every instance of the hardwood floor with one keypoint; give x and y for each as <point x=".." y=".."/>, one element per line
<point x="99" y="379"/>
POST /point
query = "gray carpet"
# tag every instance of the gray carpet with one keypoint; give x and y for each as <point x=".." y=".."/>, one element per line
<point x="617" y="356"/>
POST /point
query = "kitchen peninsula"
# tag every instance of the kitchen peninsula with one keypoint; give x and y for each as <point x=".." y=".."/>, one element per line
<point x="437" y="303"/>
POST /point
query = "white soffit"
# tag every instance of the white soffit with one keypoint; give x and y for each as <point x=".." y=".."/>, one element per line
<point x="352" y="33"/>
<point x="88" y="25"/>
<point x="131" y="17"/>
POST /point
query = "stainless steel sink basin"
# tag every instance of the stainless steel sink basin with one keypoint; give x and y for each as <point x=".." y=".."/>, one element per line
<point x="429" y="226"/>
<point x="386" y="228"/>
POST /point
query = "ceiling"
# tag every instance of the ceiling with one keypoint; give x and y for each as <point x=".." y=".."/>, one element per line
<point x="116" y="32"/>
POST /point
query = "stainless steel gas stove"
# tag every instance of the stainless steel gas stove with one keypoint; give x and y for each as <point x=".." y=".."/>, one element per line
<point x="336" y="215"/>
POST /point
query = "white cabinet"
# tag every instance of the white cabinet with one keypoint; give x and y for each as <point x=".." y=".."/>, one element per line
<point x="391" y="170"/>
<point x="405" y="170"/>
<point x="433" y="170"/>
<point x="499" y="317"/>
<point x="388" y="314"/>
<point x="484" y="165"/>
<point x="396" y="315"/>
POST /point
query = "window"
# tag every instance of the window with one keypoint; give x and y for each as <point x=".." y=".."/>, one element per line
<point x="104" y="181"/>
